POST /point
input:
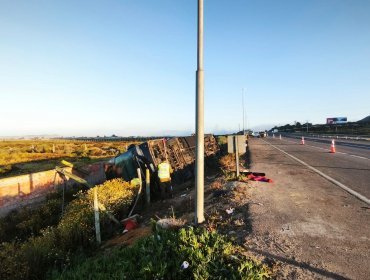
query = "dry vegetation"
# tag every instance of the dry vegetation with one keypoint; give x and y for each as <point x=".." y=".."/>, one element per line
<point x="66" y="237"/>
<point x="26" y="156"/>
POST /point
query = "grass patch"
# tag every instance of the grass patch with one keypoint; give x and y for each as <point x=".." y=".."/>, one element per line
<point x="26" y="156"/>
<point x="160" y="256"/>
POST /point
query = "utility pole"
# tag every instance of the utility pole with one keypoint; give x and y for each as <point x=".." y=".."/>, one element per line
<point x="237" y="156"/>
<point x="245" y="113"/>
<point x="243" y="109"/>
<point x="307" y="126"/>
<point x="199" y="126"/>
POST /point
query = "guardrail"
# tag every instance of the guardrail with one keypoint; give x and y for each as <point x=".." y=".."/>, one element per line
<point x="345" y="137"/>
<point x="357" y="138"/>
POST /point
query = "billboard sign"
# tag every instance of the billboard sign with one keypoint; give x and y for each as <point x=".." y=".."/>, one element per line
<point x="338" y="120"/>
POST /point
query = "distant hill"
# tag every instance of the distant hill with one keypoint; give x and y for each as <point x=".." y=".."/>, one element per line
<point x="365" y="120"/>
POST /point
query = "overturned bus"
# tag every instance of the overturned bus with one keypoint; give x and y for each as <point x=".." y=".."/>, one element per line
<point x="179" y="151"/>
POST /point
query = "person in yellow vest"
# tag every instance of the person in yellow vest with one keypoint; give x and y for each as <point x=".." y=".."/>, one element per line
<point x="164" y="175"/>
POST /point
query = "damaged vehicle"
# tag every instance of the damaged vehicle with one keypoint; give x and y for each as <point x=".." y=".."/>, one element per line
<point x="179" y="151"/>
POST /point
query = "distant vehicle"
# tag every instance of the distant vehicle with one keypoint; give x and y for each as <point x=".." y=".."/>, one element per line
<point x="262" y="134"/>
<point x="275" y="130"/>
<point x="255" y="134"/>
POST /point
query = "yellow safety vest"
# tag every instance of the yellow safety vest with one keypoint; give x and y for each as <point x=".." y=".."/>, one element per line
<point x="164" y="172"/>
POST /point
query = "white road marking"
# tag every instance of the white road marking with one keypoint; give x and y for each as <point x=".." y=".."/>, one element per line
<point x="355" y="156"/>
<point x="339" y="184"/>
<point x="329" y="150"/>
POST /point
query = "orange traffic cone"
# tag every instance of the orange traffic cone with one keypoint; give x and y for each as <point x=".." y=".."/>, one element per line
<point x="302" y="141"/>
<point x="332" y="147"/>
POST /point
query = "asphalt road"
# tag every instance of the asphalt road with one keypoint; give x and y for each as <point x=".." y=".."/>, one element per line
<point x="350" y="165"/>
<point x="360" y="147"/>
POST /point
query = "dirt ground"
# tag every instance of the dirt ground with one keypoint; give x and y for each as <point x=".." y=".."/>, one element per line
<point x="301" y="225"/>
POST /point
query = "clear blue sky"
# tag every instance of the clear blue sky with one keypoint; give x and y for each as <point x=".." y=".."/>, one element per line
<point x="128" y="67"/>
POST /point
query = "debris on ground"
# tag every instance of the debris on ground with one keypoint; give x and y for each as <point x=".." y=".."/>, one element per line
<point x="259" y="178"/>
<point x="129" y="238"/>
<point x="130" y="224"/>
<point x="230" y="210"/>
<point x="246" y="172"/>
<point x="184" y="265"/>
<point x="254" y="176"/>
<point x="170" y="223"/>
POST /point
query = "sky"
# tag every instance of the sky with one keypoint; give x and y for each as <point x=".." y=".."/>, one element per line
<point x="127" y="67"/>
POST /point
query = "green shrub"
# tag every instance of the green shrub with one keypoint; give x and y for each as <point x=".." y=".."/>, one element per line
<point x="78" y="222"/>
<point x="160" y="256"/>
<point x="10" y="259"/>
<point x="20" y="224"/>
<point x="75" y="234"/>
<point x="221" y="140"/>
<point x="6" y="168"/>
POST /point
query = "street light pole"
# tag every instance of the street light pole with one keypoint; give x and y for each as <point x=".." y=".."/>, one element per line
<point x="199" y="126"/>
<point x="243" y="109"/>
<point x="307" y="126"/>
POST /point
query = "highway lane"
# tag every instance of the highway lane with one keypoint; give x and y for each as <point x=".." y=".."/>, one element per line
<point x="362" y="144"/>
<point x="349" y="166"/>
<point x="346" y="142"/>
<point x="352" y="147"/>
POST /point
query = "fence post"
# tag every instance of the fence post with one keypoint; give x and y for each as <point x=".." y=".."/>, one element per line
<point x="97" y="220"/>
<point x="138" y="193"/>
<point x="236" y="155"/>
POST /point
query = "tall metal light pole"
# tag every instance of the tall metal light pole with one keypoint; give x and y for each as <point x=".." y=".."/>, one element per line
<point x="246" y="116"/>
<point x="199" y="126"/>
<point x="243" y="109"/>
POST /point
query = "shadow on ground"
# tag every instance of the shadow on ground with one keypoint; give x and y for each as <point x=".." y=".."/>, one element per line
<point x="302" y="265"/>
